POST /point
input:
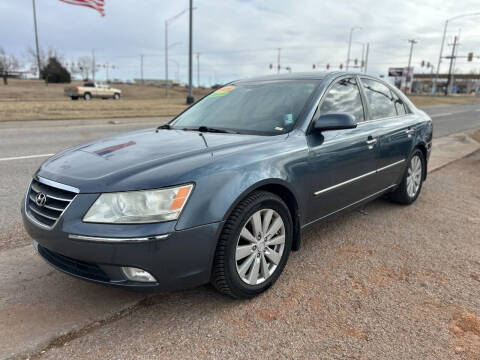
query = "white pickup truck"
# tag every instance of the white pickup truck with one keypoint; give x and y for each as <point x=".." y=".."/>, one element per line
<point x="90" y="90"/>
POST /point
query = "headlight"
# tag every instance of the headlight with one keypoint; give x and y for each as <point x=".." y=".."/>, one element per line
<point x="145" y="206"/>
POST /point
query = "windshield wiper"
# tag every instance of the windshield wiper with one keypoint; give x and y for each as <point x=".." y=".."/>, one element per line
<point x="164" y="126"/>
<point x="215" y="130"/>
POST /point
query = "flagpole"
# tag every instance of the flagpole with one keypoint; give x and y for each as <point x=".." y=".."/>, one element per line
<point x="36" y="38"/>
<point x="190" y="99"/>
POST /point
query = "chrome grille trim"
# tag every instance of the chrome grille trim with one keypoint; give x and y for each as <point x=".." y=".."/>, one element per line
<point x="59" y="197"/>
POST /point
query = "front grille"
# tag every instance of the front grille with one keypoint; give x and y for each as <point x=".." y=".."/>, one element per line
<point x="72" y="266"/>
<point x="56" y="201"/>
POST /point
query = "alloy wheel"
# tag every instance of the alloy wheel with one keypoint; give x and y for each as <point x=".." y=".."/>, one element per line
<point x="260" y="246"/>
<point x="414" y="176"/>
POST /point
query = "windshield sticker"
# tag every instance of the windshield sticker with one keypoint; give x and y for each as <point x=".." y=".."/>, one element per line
<point x="278" y="128"/>
<point x="288" y="119"/>
<point x="222" y="91"/>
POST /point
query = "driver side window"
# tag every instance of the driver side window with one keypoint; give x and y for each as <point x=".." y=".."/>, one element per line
<point x="344" y="97"/>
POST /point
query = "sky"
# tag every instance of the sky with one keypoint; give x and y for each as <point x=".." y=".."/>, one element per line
<point x="240" y="38"/>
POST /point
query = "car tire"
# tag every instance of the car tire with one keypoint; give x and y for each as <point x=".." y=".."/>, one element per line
<point x="409" y="189"/>
<point x="87" y="96"/>
<point x="245" y="263"/>
<point x="116" y="96"/>
<point x="74" y="97"/>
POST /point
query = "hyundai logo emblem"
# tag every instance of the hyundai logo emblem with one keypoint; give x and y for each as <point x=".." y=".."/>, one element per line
<point x="41" y="199"/>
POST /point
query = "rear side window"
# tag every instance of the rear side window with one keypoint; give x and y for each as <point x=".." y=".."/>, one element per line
<point x="380" y="99"/>
<point x="88" y="85"/>
<point x="344" y="97"/>
<point x="399" y="105"/>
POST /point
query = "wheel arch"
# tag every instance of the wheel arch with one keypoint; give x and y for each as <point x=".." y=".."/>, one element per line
<point x="423" y="148"/>
<point x="283" y="190"/>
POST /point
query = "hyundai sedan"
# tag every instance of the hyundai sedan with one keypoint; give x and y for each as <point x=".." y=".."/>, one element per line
<point x="223" y="192"/>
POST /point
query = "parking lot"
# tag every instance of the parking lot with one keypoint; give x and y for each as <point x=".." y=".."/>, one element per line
<point x="378" y="282"/>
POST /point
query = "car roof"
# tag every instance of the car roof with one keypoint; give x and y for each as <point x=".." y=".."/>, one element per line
<point x="313" y="75"/>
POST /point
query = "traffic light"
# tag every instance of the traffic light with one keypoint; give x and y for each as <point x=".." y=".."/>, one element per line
<point x="314" y="66"/>
<point x="423" y="63"/>
<point x="328" y="66"/>
<point x="341" y="66"/>
<point x="271" y="66"/>
<point x="470" y="56"/>
<point x="428" y="64"/>
<point x="355" y="62"/>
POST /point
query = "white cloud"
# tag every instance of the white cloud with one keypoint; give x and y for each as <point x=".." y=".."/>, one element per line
<point x="240" y="38"/>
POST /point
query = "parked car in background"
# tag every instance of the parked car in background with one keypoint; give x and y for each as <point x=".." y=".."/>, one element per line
<point x="222" y="193"/>
<point x="91" y="90"/>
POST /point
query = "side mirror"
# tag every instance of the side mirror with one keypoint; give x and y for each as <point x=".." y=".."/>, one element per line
<point x="338" y="121"/>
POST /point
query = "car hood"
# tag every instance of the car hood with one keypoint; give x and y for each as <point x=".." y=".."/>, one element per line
<point x="142" y="159"/>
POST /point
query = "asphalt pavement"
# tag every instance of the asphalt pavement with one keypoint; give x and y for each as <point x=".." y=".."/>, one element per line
<point x="66" y="306"/>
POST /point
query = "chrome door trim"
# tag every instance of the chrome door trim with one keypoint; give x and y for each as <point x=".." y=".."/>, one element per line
<point x="116" y="240"/>
<point x="358" y="178"/>
<point x="352" y="204"/>
<point x="344" y="183"/>
<point x="391" y="165"/>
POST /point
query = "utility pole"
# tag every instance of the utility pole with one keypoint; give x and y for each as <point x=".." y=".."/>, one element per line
<point x="198" y="69"/>
<point x="449" y="81"/>
<point x="141" y="69"/>
<point x="166" y="58"/>
<point x="455" y="59"/>
<point x="409" y="82"/>
<point x="36" y="39"/>
<point x="350" y="45"/>
<point x="278" y="60"/>
<point x="362" y="62"/>
<point x="94" y="65"/>
<point x="434" y="87"/>
<point x="190" y="98"/>
<point x="366" y="58"/>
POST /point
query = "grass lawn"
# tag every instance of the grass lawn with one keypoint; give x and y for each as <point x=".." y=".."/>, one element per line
<point x="33" y="100"/>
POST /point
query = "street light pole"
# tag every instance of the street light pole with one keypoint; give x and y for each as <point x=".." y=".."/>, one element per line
<point x="434" y="87"/>
<point x="166" y="58"/>
<point x="166" y="46"/>
<point x="198" y="69"/>
<point x="350" y="45"/>
<point x="36" y="39"/>
<point x="141" y="69"/>
<point x="190" y="98"/>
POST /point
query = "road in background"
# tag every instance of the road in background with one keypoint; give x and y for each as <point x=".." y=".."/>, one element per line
<point x="451" y="119"/>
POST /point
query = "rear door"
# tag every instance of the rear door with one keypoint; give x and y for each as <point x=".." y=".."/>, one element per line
<point x="395" y="129"/>
<point x="342" y="163"/>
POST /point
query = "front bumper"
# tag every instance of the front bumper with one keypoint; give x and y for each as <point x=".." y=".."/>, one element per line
<point x="181" y="259"/>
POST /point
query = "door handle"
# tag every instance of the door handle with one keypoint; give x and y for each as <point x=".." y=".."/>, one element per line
<point x="410" y="132"/>
<point x="371" y="142"/>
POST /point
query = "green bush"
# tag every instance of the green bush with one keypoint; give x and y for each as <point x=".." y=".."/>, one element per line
<point x="54" y="72"/>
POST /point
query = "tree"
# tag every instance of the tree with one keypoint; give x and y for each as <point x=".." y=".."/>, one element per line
<point x="84" y="65"/>
<point x="55" y="72"/>
<point x="44" y="55"/>
<point x="8" y="64"/>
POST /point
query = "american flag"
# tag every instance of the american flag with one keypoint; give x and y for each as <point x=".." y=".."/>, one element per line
<point x="94" y="4"/>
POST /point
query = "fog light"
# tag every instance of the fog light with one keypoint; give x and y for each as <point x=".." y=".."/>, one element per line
<point x="136" y="274"/>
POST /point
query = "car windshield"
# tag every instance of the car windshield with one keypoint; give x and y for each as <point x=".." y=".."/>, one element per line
<point x="264" y="108"/>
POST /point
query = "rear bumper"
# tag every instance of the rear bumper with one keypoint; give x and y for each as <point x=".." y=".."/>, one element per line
<point x="182" y="259"/>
